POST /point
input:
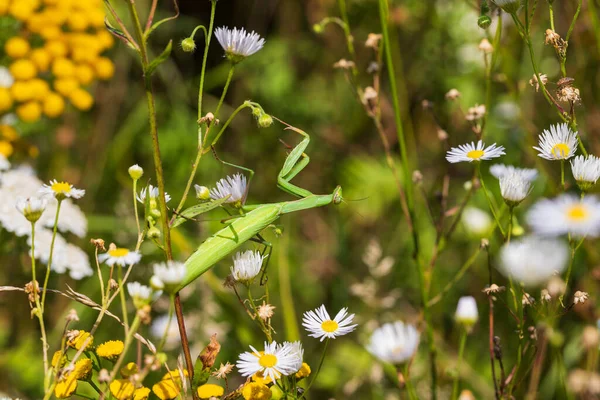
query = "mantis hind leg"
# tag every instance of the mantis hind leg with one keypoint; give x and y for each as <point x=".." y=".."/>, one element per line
<point x="250" y="172"/>
<point x="295" y="162"/>
<point x="266" y="252"/>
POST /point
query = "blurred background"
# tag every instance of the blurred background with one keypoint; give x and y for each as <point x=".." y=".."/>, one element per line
<point x="356" y="255"/>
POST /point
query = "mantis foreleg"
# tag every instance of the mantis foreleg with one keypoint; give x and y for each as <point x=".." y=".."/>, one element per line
<point x="294" y="163"/>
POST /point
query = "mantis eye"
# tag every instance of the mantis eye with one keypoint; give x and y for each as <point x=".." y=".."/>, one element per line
<point x="337" y="195"/>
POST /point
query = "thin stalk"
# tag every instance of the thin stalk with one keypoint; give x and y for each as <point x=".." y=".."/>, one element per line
<point x="54" y="230"/>
<point x="319" y="367"/>
<point x="347" y="33"/>
<point x="163" y="340"/>
<point x="135" y="208"/>
<point x="461" y="349"/>
<point x="409" y="386"/>
<point x="39" y="313"/>
<point x="130" y="335"/>
<point x="551" y="12"/>
<point x="562" y="174"/>
<point x="510" y="223"/>
<point x="488" y="198"/>
<point x="488" y="75"/>
<point x="123" y="301"/>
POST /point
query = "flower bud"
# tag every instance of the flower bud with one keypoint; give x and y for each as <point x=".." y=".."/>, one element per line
<point x="466" y="311"/>
<point x="257" y="112"/>
<point x="135" y="172"/>
<point x="155" y="213"/>
<point x="156" y="283"/>
<point x="265" y="121"/>
<point x="484" y="21"/>
<point x="153" y="233"/>
<point x="202" y="192"/>
<point x="32" y="207"/>
<point x="318" y="28"/>
<point x="188" y="45"/>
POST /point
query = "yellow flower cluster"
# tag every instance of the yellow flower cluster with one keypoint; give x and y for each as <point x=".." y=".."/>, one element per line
<point x="67" y="386"/>
<point x="57" y="52"/>
<point x="169" y="386"/>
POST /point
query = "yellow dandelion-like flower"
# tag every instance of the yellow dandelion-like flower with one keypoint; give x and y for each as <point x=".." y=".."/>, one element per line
<point x="141" y="393"/>
<point x="260" y="378"/>
<point x="129" y="369"/>
<point x="83" y="369"/>
<point x="210" y="390"/>
<point x="256" y="391"/>
<point x="58" y="359"/>
<point x="66" y="387"/>
<point x="170" y="385"/>
<point x="304" y="371"/>
<point x="122" y="389"/>
<point x="110" y="350"/>
<point x="80" y="339"/>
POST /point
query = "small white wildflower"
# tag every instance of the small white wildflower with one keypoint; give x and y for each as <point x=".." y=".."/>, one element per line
<point x="466" y="311"/>
<point x="171" y="274"/>
<point x="559" y="143"/>
<point x="545" y="295"/>
<point x="232" y="186"/>
<point x="275" y="360"/>
<point x="500" y="170"/>
<point x="474" y="152"/>
<point x="141" y="197"/>
<point x="120" y="256"/>
<point x="202" y="192"/>
<point x="586" y="170"/>
<point x="566" y="214"/>
<point x="142" y="295"/>
<point x="61" y="190"/>
<point x="237" y="43"/>
<point x="394" y="343"/>
<point x="321" y="326"/>
<point x="32" y="207"/>
<point x="580" y="297"/>
<point x="246" y="265"/>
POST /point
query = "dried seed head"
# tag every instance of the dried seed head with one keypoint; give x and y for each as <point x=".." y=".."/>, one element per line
<point x="373" y="41"/>
<point x="485" y="243"/>
<point x="565" y="91"/>
<point x="344" y="64"/>
<point x="527" y="300"/>
<point x="493" y="288"/>
<point x="534" y="81"/>
<point x="545" y="295"/>
<point x="552" y="38"/>
<point x="113" y="284"/>
<point x="580" y="297"/>
<point x="32" y="289"/>
<point x="475" y="113"/>
<point x="265" y="311"/>
<point x="452" y="94"/>
<point x="112" y="247"/>
<point x="98" y="243"/>
<point x="103" y="376"/>
<point x="223" y="371"/>
<point x="442" y="134"/>
<point x="417" y="177"/>
<point x="373" y="67"/>
<point x="207" y="119"/>
<point x="485" y="46"/>
<point x="369" y="94"/>
<point x="556" y="286"/>
<point x="72" y="316"/>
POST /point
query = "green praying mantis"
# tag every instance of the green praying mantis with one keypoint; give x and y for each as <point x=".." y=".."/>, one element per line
<point x="259" y="217"/>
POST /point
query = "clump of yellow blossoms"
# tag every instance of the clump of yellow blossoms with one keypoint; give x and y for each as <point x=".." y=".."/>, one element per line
<point x="110" y="350"/>
<point x="56" y="53"/>
<point x="82" y="338"/>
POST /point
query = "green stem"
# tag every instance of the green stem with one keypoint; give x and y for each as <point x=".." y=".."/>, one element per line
<point x="488" y="75"/>
<point x="231" y="117"/>
<point x="383" y="16"/>
<point x="488" y="198"/>
<point x="285" y="288"/>
<point x="123" y="301"/>
<point x="347" y="33"/>
<point x="551" y="11"/>
<point x="130" y="336"/>
<point x="410" y="390"/>
<point x="135" y="208"/>
<point x="40" y="312"/>
<point x="54" y="230"/>
<point x="163" y="340"/>
<point x="572" y="26"/>
<point x="562" y="174"/>
<point x="510" y="223"/>
<point x="319" y="367"/>
<point x="461" y="349"/>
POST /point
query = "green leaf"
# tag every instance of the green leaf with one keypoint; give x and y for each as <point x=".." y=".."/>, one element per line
<point x="196" y="210"/>
<point x="160" y="59"/>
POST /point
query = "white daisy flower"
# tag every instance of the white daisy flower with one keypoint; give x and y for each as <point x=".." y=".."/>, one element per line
<point x="237" y="43"/>
<point x="320" y="325"/>
<point x="533" y="260"/>
<point x="474" y="152"/>
<point x="171" y="273"/>
<point x="476" y="221"/>
<point x="43" y="241"/>
<point x="500" y="170"/>
<point x="559" y="143"/>
<point x="61" y="190"/>
<point x="4" y="163"/>
<point x="274" y="361"/>
<point x="246" y="265"/>
<point x="514" y="188"/>
<point x="466" y="311"/>
<point x="566" y="214"/>
<point x="298" y="351"/>
<point x="14" y="184"/>
<point x="232" y="186"/>
<point x="394" y="343"/>
<point x="141" y="197"/>
<point x="6" y="78"/>
<point x="142" y="295"/>
<point x="120" y="256"/>
<point x="586" y="170"/>
<point x="510" y="6"/>
<point x="31" y="207"/>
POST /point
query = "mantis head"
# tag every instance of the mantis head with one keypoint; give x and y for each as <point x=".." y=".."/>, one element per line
<point x="337" y="195"/>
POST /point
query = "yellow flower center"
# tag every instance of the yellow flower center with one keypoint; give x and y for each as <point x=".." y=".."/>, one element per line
<point x="577" y="213"/>
<point x="475" y="154"/>
<point x="209" y="390"/>
<point x="329" y="326"/>
<point x="560" y="150"/>
<point x="267" y="360"/>
<point x="61" y="187"/>
<point x="118" y="252"/>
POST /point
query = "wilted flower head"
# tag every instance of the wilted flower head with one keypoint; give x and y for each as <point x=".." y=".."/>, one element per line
<point x="237" y="43"/>
<point x="32" y="207"/>
<point x="566" y="214"/>
<point x="394" y="343"/>
<point x="232" y="186"/>
<point x="532" y="261"/>
<point x="373" y="40"/>
<point x="485" y="46"/>
<point x="452" y="94"/>
<point x="474" y="152"/>
<point x="565" y="91"/>
<point x="536" y="84"/>
<point x="265" y="311"/>
<point x="559" y="143"/>
<point x="580" y="297"/>
<point x="514" y="188"/>
<point x="475" y="113"/>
